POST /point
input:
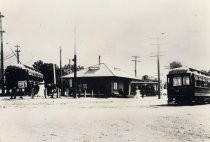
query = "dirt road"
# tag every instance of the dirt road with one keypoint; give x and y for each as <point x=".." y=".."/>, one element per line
<point x="102" y="120"/>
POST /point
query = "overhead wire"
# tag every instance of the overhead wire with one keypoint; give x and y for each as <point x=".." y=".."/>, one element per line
<point x="12" y="51"/>
<point x="9" y="57"/>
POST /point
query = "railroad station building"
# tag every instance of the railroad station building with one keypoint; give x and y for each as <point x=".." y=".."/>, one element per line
<point x="102" y="81"/>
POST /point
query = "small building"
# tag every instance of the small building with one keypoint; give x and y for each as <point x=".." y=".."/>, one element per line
<point x="147" y="88"/>
<point x="102" y="81"/>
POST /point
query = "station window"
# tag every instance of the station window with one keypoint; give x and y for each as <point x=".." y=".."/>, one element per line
<point x="205" y="84"/>
<point x="197" y="83"/>
<point x="177" y="81"/>
<point x="202" y="83"/>
<point x="70" y="83"/>
<point x="186" y="80"/>
<point x="85" y="86"/>
<point x="115" y="86"/>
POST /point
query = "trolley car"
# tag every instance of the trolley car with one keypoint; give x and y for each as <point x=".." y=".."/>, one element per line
<point x="22" y="80"/>
<point x="187" y="85"/>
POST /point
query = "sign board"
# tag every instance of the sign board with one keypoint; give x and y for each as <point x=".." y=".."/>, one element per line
<point x="22" y="84"/>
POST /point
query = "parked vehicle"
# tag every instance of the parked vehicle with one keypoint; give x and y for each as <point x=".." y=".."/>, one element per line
<point x="22" y="80"/>
<point x="187" y="85"/>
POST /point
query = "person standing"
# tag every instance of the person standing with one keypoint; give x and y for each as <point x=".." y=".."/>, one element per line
<point x="13" y="93"/>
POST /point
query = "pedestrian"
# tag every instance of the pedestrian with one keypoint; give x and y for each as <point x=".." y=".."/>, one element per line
<point x="79" y="90"/>
<point x="32" y="92"/>
<point x="137" y="95"/>
<point x="142" y="94"/>
<point x="13" y="93"/>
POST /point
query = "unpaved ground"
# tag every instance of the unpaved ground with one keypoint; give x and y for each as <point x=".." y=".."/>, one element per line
<point x="102" y="120"/>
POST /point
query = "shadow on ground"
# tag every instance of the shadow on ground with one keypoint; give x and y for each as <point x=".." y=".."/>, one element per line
<point x="181" y="105"/>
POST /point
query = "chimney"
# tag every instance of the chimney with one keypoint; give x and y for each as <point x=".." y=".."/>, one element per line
<point x="99" y="60"/>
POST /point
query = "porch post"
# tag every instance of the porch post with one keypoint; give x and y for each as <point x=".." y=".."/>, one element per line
<point x="85" y="93"/>
<point x="129" y="89"/>
<point x="92" y="93"/>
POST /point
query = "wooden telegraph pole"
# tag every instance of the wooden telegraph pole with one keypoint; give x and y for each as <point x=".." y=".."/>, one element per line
<point x="17" y="53"/>
<point x="61" y="80"/>
<point x="2" y="55"/>
<point x="75" y="64"/>
<point x="69" y="66"/>
<point x="158" y="61"/>
<point x="136" y="60"/>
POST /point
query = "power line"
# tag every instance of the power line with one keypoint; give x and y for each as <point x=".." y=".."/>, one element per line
<point x="136" y="60"/>
<point x="12" y="51"/>
<point x="158" y="44"/>
<point x="2" y="55"/>
<point x="61" y="80"/>
<point x="17" y="52"/>
<point x="69" y="66"/>
<point x="9" y="57"/>
<point x="75" y="63"/>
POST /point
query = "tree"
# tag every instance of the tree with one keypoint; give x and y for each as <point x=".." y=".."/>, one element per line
<point x="38" y="64"/>
<point x="205" y="71"/>
<point x="47" y="69"/>
<point x="80" y="68"/>
<point x="65" y="69"/>
<point x="175" y="64"/>
<point x="145" y="78"/>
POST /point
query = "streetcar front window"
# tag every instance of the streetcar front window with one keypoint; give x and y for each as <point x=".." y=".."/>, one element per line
<point x="177" y="81"/>
<point x="186" y="80"/>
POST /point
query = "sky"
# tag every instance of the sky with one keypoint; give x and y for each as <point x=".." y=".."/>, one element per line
<point x="114" y="29"/>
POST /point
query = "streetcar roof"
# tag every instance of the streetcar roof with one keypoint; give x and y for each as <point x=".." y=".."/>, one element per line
<point x="179" y="70"/>
<point x="24" y="67"/>
<point x="16" y="66"/>
<point x="188" y="70"/>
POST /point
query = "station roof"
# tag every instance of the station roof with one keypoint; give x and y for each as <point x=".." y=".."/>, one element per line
<point x="101" y="70"/>
<point x="144" y="82"/>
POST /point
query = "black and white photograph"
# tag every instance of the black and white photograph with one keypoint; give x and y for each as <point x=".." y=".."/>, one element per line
<point x="105" y="70"/>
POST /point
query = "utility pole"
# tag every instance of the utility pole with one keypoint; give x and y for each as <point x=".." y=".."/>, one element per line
<point x="69" y="66"/>
<point x="158" y="61"/>
<point x="17" y="53"/>
<point x="136" y="60"/>
<point x="99" y="59"/>
<point x="61" y="80"/>
<point x="75" y="64"/>
<point x="54" y="78"/>
<point x="54" y="74"/>
<point x="158" y="66"/>
<point x="2" y="55"/>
